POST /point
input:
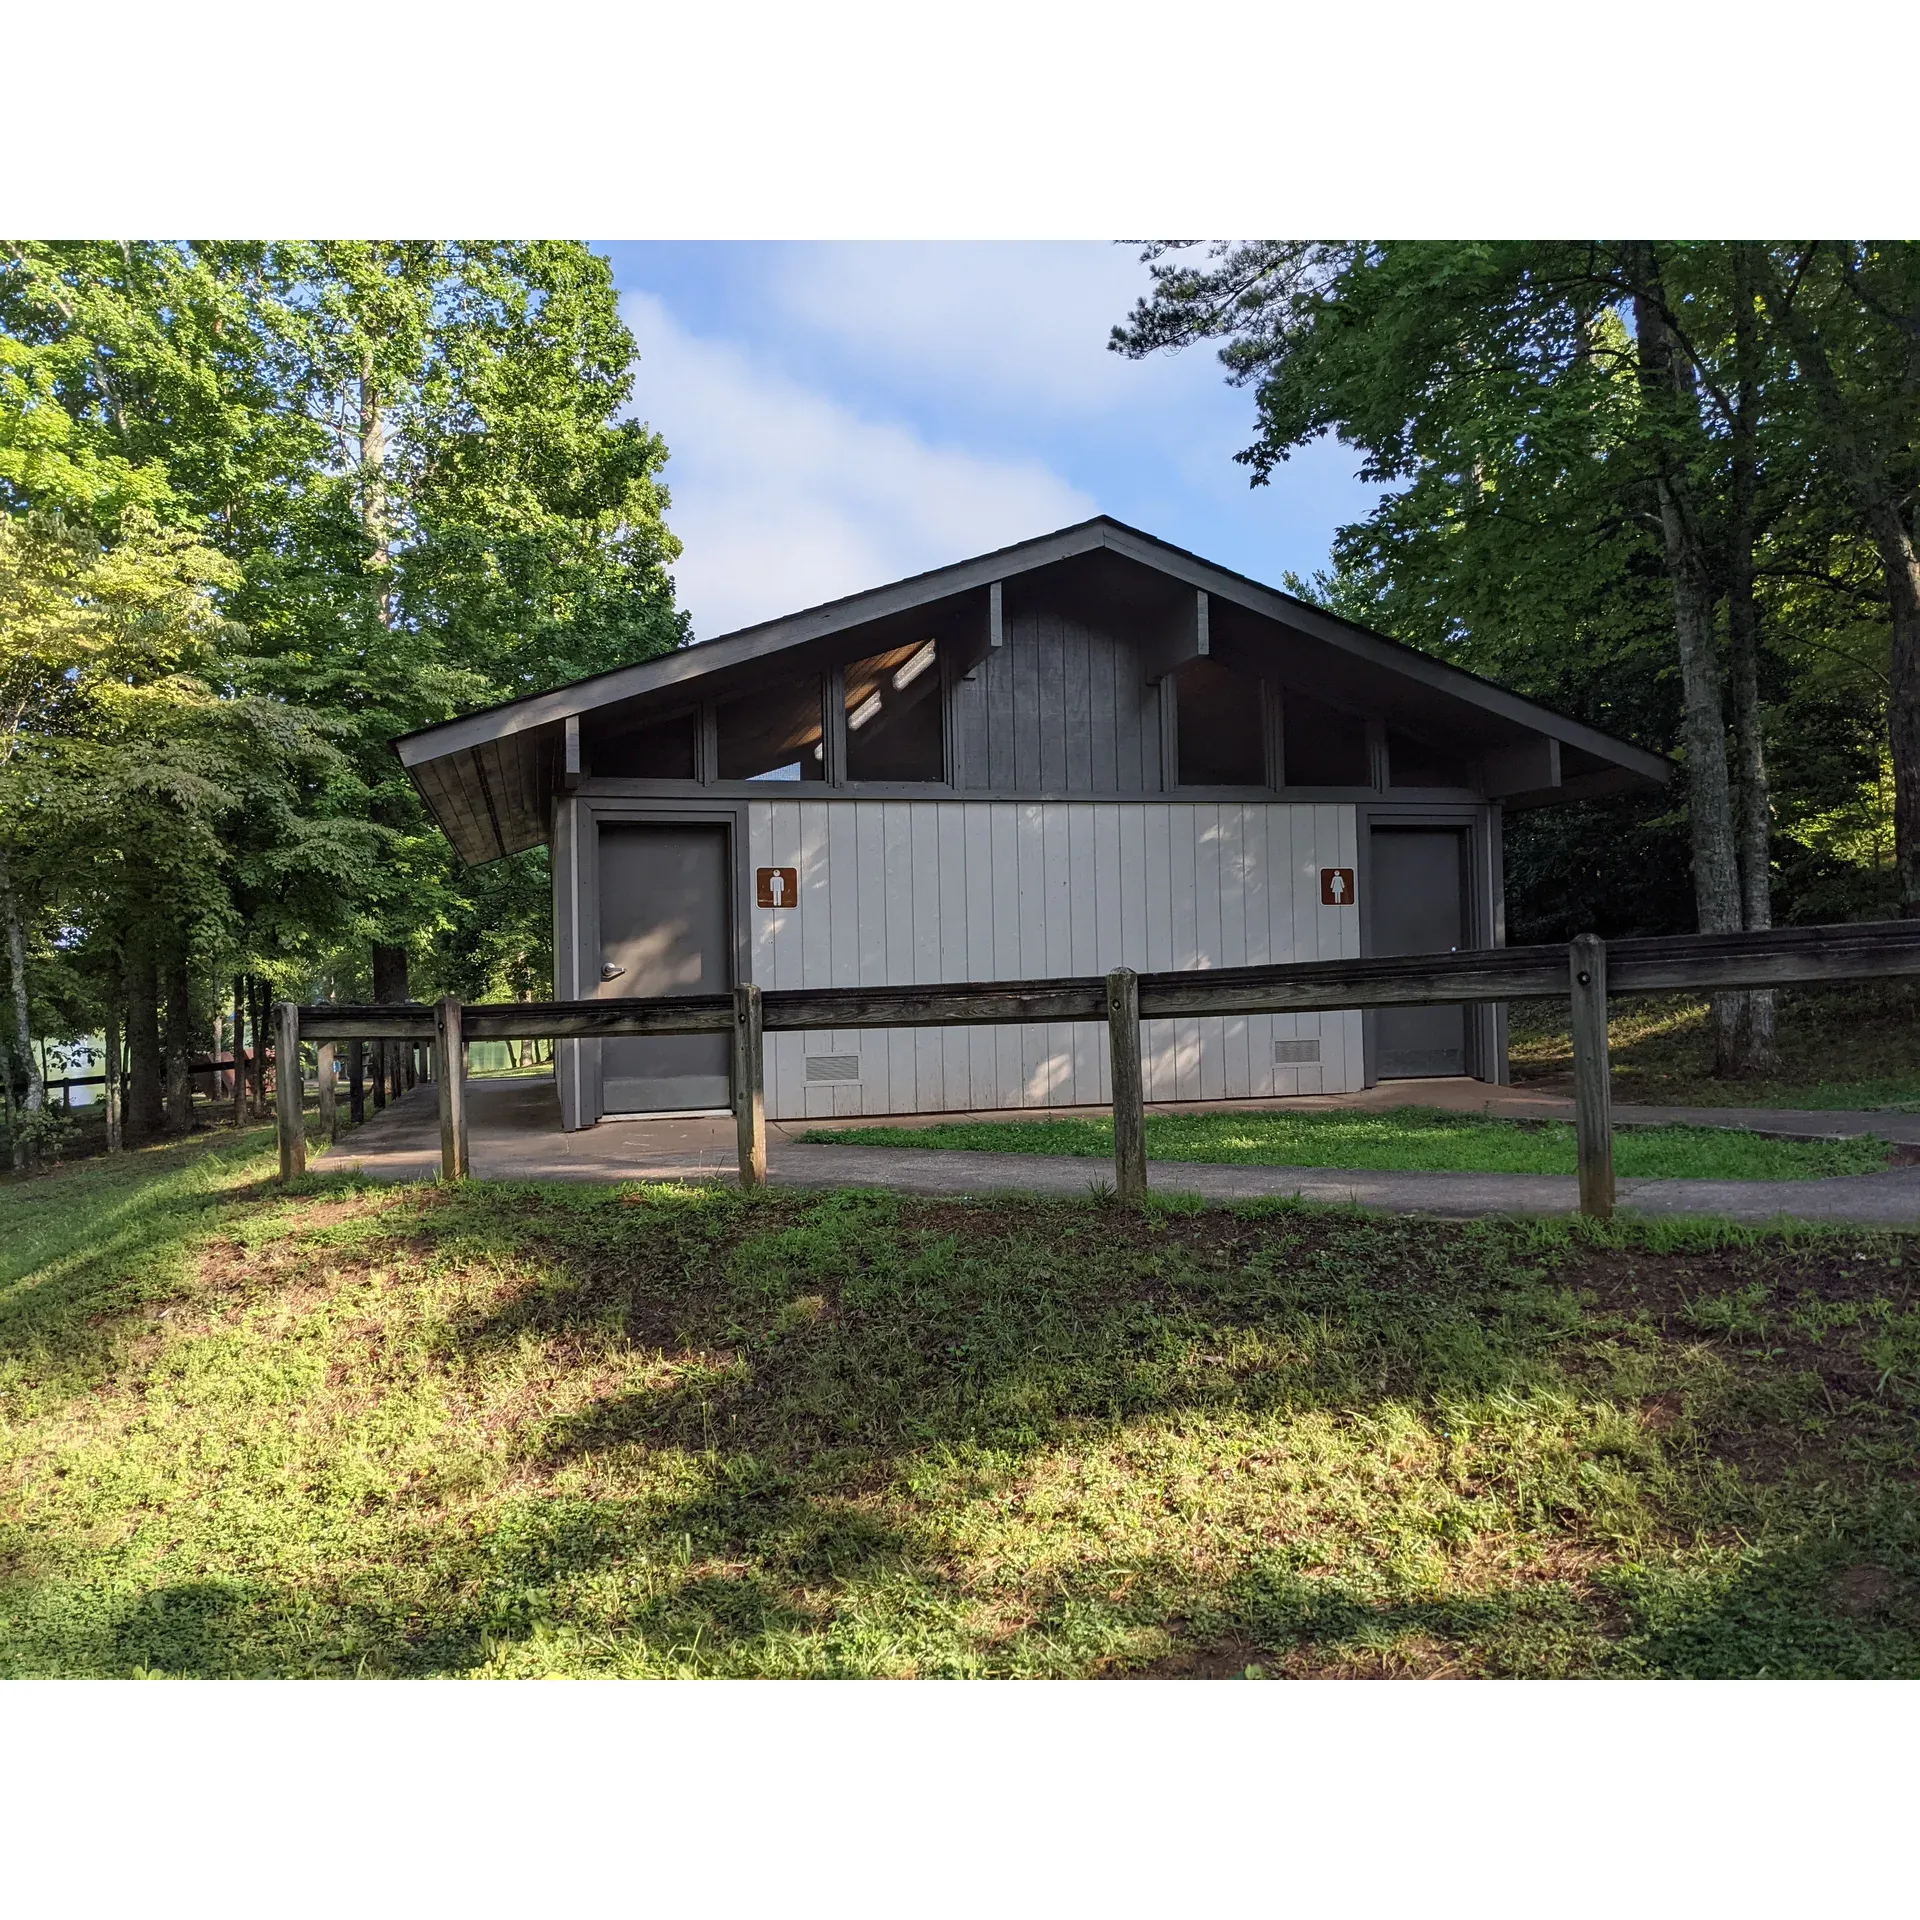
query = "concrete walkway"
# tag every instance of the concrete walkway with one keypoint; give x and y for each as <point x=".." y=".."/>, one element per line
<point x="514" y="1134"/>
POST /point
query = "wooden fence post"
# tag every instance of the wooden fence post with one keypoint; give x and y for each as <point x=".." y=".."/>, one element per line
<point x="113" y="1082"/>
<point x="329" y="1097"/>
<point x="356" y="1081"/>
<point x="1592" y="1075"/>
<point x="288" y="1091"/>
<point x="749" y="1085"/>
<point x="453" y="1089"/>
<point x="1129" y="1098"/>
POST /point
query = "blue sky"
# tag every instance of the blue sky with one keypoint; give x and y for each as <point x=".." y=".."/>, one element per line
<point x="842" y="414"/>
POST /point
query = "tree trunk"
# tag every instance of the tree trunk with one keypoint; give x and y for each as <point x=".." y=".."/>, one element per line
<point x="239" y="1050"/>
<point x="179" y="1037"/>
<point x="1716" y="879"/>
<point x="257" y="1013"/>
<point x="22" y="1011"/>
<point x="143" y="1035"/>
<point x="1755" y="1049"/>
<point x="389" y="989"/>
<point x="373" y="488"/>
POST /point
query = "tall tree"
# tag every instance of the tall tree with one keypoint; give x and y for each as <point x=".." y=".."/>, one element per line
<point x="413" y="461"/>
<point x="1536" y="412"/>
<point x="1849" y="312"/>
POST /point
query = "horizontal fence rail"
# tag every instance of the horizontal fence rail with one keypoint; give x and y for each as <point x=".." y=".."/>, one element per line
<point x="1708" y="962"/>
<point x="1588" y="971"/>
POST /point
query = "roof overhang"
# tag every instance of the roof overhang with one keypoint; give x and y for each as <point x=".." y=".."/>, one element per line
<point x="489" y="777"/>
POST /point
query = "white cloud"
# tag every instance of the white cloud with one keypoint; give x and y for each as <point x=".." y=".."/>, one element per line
<point x="785" y="497"/>
<point x="1020" y="323"/>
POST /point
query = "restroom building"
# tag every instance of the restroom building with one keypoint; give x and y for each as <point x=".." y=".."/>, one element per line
<point x="1086" y="751"/>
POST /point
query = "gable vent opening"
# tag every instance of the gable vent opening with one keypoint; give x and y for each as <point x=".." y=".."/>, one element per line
<point x="837" y="1066"/>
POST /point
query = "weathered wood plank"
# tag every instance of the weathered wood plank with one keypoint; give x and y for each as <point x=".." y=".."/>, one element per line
<point x="1592" y="1080"/>
<point x="289" y="1108"/>
<point x="1129" y="1098"/>
<point x="450" y="1040"/>
<point x="1866" y="952"/>
<point x="749" y="1085"/>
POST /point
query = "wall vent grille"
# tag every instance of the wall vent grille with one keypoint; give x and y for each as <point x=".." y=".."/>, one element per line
<point x="1296" y="1053"/>
<point x="834" y="1066"/>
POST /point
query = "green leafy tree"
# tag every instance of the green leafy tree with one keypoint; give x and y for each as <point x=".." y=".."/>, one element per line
<point x="409" y="470"/>
<point x="1597" y="485"/>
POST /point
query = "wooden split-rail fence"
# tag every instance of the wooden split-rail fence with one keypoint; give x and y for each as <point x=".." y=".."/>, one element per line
<point x="1589" y="971"/>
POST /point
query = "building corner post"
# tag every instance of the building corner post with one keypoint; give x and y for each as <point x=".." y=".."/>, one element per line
<point x="452" y="1085"/>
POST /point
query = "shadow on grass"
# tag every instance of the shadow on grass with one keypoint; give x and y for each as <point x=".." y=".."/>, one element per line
<point x="809" y="1362"/>
<point x="86" y="1245"/>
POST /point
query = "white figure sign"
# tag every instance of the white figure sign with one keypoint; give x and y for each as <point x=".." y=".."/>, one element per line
<point x="1336" y="886"/>
<point x="777" y="886"/>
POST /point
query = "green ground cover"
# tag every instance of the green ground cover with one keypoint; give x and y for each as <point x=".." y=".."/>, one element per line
<point x="1405" y="1139"/>
<point x="508" y="1430"/>
<point x="1853" y="1046"/>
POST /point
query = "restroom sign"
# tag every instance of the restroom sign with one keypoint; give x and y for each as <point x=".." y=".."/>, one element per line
<point x="777" y="886"/>
<point x="1336" y="886"/>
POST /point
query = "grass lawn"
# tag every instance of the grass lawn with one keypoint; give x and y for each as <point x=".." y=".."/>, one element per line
<point x="1853" y="1046"/>
<point x="515" y="1431"/>
<point x="1407" y="1139"/>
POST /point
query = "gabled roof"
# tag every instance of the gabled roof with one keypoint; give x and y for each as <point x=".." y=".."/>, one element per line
<point x="488" y="776"/>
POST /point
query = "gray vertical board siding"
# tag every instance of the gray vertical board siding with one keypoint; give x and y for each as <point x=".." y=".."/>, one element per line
<point x="1209" y="885"/>
<point x="860" y="898"/>
<point x="1050" y="654"/>
<point x="955" y="1075"/>
<point x="1237" y="1073"/>
<point x="1157" y="886"/>
<point x="1183" y="889"/>
<point x="1076" y="710"/>
<point x="1259" y="1033"/>
<point x="1083" y="944"/>
<point x="1108" y="935"/>
<point x="970" y="764"/>
<point x="1023" y="647"/>
<point x="1060" y="708"/>
<point x="1004" y="834"/>
<point x="817" y="923"/>
<point x="929" y="1093"/>
<point x="1103" y="738"/>
<point x="982" y="1086"/>
<point x="1002" y="772"/>
<point x="1130" y="824"/>
<point x="919" y="892"/>
<point x="902" y="1094"/>
<point x="1031" y="854"/>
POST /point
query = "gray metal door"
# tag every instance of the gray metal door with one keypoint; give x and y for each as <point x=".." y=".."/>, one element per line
<point x="1416" y="890"/>
<point x="665" y="927"/>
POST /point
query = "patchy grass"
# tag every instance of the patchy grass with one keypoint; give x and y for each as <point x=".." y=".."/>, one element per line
<point x="515" y="1431"/>
<point x="1839" y="1047"/>
<point x="1406" y="1139"/>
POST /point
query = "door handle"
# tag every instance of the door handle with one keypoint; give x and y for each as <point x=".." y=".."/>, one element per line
<point x="608" y="971"/>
